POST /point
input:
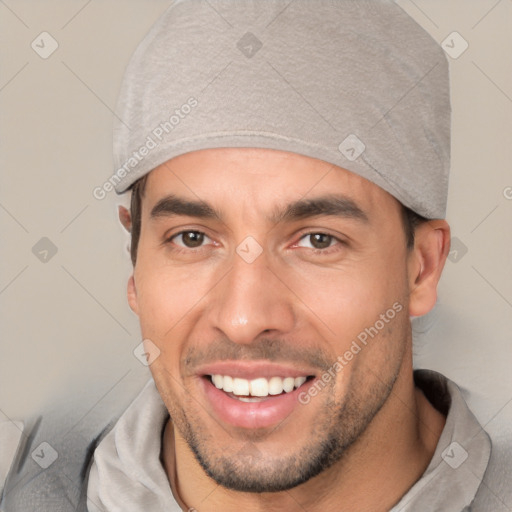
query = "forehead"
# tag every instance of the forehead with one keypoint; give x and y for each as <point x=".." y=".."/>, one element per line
<point x="262" y="178"/>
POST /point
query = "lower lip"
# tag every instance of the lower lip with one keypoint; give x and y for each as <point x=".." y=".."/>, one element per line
<point x="271" y="411"/>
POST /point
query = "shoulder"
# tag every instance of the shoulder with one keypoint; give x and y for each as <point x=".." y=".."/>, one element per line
<point x="50" y="468"/>
<point x="495" y="491"/>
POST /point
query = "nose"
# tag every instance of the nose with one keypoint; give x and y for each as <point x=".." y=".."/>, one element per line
<point x="250" y="301"/>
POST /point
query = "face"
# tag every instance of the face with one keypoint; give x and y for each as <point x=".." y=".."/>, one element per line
<point x="275" y="287"/>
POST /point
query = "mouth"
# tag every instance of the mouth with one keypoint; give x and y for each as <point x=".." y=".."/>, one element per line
<point x="256" y="390"/>
<point x="254" y="396"/>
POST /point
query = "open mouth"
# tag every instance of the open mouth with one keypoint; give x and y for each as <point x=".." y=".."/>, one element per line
<point x="255" y="394"/>
<point x="255" y="390"/>
<point x="257" y="402"/>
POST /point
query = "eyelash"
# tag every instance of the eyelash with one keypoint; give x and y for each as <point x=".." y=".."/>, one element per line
<point x="332" y="248"/>
<point x="189" y="250"/>
<point x="180" y="249"/>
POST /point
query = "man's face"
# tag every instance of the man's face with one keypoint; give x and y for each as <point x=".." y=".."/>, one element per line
<point x="264" y="268"/>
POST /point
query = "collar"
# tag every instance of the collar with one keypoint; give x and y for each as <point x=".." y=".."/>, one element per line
<point x="456" y="470"/>
<point x="127" y="474"/>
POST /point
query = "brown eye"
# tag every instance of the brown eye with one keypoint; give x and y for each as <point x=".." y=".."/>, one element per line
<point x="316" y="241"/>
<point x="320" y="240"/>
<point x="189" y="239"/>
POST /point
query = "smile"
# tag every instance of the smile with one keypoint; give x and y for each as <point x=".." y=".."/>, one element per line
<point x="254" y="395"/>
<point x="247" y="390"/>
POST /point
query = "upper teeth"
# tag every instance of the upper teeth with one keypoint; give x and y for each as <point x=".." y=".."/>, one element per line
<point x="256" y="387"/>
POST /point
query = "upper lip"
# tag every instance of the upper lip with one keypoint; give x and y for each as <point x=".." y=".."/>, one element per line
<point x="254" y="369"/>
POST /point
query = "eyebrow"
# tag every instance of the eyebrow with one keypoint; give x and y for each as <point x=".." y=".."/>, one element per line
<point x="333" y="205"/>
<point x="171" y="206"/>
<point x="329" y="205"/>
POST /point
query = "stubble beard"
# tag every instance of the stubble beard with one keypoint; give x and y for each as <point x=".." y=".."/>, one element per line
<point x="335" y="430"/>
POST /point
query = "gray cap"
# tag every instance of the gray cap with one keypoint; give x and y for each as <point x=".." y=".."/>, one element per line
<point x="356" y="83"/>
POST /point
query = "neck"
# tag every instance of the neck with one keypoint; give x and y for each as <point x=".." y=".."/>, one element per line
<point x="374" y="473"/>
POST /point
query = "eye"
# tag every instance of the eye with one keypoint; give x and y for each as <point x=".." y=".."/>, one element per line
<point x="317" y="241"/>
<point x="189" y="239"/>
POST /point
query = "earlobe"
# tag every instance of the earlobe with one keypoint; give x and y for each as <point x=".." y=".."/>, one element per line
<point x="125" y="218"/>
<point x="132" y="295"/>
<point x="426" y="263"/>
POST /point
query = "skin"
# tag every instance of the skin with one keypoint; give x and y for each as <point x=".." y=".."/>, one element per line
<point x="294" y="304"/>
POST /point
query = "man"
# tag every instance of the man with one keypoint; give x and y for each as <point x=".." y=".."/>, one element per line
<point x="289" y="169"/>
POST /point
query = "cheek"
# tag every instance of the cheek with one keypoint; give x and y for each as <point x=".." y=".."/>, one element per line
<point x="351" y="298"/>
<point x="167" y="300"/>
<point x="166" y="296"/>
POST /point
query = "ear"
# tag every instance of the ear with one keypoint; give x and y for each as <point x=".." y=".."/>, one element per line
<point x="425" y="264"/>
<point x="132" y="295"/>
<point x="125" y="218"/>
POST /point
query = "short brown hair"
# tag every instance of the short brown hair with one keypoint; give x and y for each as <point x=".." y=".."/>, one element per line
<point x="411" y="220"/>
<point x="138" y="189"/>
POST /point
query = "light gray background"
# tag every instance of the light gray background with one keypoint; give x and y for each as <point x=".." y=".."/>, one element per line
<point x="68" y="335"/>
